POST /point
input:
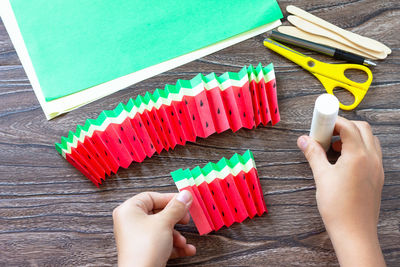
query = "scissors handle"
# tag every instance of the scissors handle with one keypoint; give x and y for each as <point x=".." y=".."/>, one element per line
<point x="334" y="77"/>
<point x="330" y="75"/>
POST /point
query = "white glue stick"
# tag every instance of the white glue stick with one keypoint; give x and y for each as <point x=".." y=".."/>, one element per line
<point x="324" y="118"/>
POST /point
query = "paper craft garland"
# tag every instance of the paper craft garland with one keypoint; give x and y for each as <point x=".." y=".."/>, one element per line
<point x="192" y="108"/>
<point x="223" y="193"/>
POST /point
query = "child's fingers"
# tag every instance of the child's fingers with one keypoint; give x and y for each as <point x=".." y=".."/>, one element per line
<point x="149" y="201"/>
<point x="349" y="134"/>
<point x="179" y="240"/>
<point x="184" y="220"/>
<point x="177" y="208"/>
<point x="366" y="134"/>
<point x="188" y="250"/>
<point x="314" y="154"/>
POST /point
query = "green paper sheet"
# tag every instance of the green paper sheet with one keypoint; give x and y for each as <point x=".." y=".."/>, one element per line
<point x="75" y="45"/>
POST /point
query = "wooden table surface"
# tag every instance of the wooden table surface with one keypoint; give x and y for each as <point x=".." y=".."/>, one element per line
<point x="50" y="214"/>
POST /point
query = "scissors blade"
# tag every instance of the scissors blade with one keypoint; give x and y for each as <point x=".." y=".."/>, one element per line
<point x="287" y="52"/>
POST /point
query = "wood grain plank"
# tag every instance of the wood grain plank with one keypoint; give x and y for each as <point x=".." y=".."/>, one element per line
<point x="50" y="214"/>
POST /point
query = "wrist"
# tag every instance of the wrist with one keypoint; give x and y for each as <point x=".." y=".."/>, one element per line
<point x="131" y="255"/>
<point x="129" y="260"/>
<point x="356" y="247"/>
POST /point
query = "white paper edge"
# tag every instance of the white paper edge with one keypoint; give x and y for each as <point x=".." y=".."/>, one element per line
<point x="67" y="103"/>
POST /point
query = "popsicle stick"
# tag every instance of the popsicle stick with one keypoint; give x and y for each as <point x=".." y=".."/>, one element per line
<point x="296" y="32"/>
<point x="362" y="41"/>
<point x="311" y="28"/>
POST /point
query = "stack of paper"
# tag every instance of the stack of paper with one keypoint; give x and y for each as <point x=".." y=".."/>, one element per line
<point x="75" y="52"/>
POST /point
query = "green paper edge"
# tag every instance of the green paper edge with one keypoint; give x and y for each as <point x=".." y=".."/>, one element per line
<point x="236" y="159"/>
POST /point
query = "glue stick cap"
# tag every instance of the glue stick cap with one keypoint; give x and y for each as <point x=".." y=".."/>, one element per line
<point x="327" y="107"/>
<point x="324" y="118"/>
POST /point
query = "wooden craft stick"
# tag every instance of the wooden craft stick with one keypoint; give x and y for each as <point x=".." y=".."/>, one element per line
<point x="296" y="32"/>
<point x="311" y="28"/>
<point x="359" y="40"/>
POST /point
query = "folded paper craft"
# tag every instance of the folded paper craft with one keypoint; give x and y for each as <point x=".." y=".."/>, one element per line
<point x="223" y="193"/>
<point x="192" y="108"/>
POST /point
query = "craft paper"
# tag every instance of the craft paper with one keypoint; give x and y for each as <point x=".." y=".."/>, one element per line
<point x="223" y="193"/>
<point x="70" y="47"/>
<point x="173" y="116"/>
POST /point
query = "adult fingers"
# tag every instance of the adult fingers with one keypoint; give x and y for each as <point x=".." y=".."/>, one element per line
<point x="177" y="208"/>
<point x="314" y="154"/>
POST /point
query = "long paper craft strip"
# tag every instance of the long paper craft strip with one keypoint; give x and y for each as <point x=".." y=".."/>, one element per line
<point x="223" y="193"/>
<point x="180" y="113"/>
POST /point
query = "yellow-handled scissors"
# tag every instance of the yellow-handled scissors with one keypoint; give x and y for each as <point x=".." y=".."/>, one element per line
<point x="330" y="75"/>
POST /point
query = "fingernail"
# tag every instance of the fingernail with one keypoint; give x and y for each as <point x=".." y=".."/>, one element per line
<point x="184" y="196"/>
<point x="303" y="143"/>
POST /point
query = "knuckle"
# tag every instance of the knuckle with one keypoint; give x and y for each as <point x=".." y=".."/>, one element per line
<point x="142" y="198"/>
<point x="375" y="162"/>
<point x="352" y="124"/>
<point x="366" y="125"/>
<point x="142" y="195"/>
<point x="362" y="158"/>
<point x="355" y="130"/>
<point x="310" y="151"/>
<point x="140" y="203"/>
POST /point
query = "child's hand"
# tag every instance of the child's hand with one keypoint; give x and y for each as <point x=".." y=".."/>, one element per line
<point x="144" y="229"/>
<point x="349" y="192"/>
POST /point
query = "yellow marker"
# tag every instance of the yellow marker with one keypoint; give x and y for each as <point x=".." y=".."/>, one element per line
<point x="330" y="75"/>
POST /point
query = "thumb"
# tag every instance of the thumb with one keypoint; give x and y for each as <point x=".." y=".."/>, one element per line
<point x="177" y="207"/>
<point x="314" y="154"/>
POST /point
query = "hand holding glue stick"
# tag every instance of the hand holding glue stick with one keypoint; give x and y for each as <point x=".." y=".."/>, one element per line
<point x="348" y="192"/>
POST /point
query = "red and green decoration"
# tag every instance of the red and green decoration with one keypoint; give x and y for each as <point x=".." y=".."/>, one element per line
<point x="173" y="116"/>
<point x="223" y="193"/>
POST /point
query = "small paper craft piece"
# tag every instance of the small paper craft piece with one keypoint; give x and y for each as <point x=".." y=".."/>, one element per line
<point x="223" y="193"/>
<point x="180" y="113"/>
